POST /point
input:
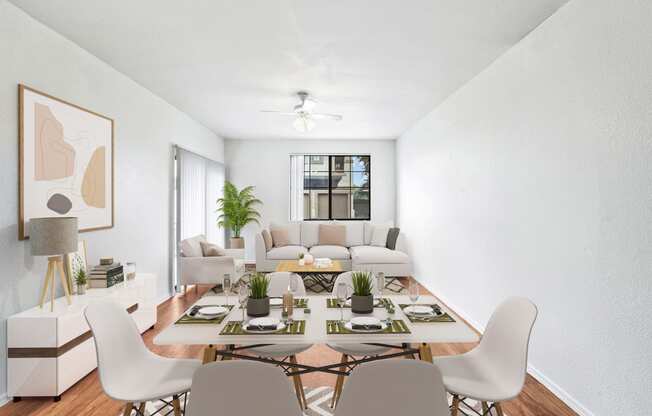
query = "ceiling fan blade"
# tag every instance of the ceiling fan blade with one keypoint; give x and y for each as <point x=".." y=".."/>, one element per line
<point x="336" y="117"/>
<point x="280" y="113"/>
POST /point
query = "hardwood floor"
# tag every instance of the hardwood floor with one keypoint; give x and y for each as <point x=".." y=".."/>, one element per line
<point x="86" y="397"/>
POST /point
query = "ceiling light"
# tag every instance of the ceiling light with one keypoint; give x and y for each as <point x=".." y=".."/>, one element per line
<point x="303" y="124"/>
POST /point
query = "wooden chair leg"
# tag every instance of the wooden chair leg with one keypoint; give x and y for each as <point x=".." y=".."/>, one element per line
<point x="176" y="405"/>
<point x="128" y="408"/>
<point x="141" y="409"/>
<point x="485" y="409"/>
<point x="425" y="353"/>
<point x="298" y="386"/>
<point x="185" y="289"/>
<point x="210" y="354"/>
<point x="455" y="407"/>
<point x="339" y="383"/>
<point x="499" y="409"/>
<point x="196" y="288"/>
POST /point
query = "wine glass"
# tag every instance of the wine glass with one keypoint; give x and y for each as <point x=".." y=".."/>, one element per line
<point x="413" y="292"/>
<point x="341" y="292"/>
<point x="243" y="295"/>
<point x="380" y="285"/>
<point x="293" y="284"/>
<point x="226" y="286"/>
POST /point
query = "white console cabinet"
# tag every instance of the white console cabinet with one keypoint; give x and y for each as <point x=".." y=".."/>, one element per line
<point x="47" y="352"/>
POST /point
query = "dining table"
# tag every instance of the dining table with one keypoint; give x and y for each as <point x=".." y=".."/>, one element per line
<point x="320" y="322"/>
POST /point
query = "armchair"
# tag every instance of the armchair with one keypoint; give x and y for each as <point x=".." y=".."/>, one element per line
<point x="195" y="269"/>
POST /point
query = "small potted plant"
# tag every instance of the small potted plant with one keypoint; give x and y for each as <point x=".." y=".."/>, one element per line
<point x="81" y="281"/>
<point x="362" y="300"/>
<point x="302" y="262"/>
<point x="258" y="302"/>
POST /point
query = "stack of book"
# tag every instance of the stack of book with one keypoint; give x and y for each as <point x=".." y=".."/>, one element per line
<point x="106" y="275"/>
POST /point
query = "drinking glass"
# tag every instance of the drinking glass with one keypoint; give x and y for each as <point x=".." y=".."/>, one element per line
<point x="380" y="285"/>
<point x="294" y="284"/>
<point x="243" y="295"/>
<point x="341" y="292"/>
<point x="413" y="291"/>
<point x="226" y="286"/>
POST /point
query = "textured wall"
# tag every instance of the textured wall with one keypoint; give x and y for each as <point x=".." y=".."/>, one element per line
<point x="535" y="179"/>
<point x="145" y="127"/>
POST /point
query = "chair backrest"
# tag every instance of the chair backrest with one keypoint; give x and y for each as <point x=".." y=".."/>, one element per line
<point x="241" y="388"/>
<point x="416" y="389"/>
<point x="347" y="277"/>
<point x="504" y="345"/>
<point x="191" y="247"/>
<point x="117" y="342"/>
<point x="279" y="281"/>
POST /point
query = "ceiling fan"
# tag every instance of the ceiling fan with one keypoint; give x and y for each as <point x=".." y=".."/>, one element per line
<point x="305" y="118"/>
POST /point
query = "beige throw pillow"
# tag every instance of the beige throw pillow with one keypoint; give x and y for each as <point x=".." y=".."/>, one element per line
<point x="280" y="237"/>
<point x="211" y="250"/>
<point x="267" y="238"/>
<point x="332" y="235"/>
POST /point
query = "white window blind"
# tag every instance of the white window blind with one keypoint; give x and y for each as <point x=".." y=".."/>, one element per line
<point x="296" y="187"/>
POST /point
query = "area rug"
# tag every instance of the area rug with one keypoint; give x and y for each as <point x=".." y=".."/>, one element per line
<point x="318" y="400"/>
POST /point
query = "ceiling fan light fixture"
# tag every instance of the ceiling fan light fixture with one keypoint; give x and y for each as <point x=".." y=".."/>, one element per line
<point x="303" y="124"/>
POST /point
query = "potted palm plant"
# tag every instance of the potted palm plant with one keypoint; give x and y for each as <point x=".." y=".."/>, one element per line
<point x="258" y="302"/>
<point x="237" y="209"/>
<point x="81" y="281"/>
<point x="362" y="300"/>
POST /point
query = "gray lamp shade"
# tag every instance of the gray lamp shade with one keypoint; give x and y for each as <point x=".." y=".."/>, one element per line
<point x="53" y="236"/>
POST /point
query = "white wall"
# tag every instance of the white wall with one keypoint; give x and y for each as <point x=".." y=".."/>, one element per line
<point x="145" y="128"/>
<point x="535" y="179"/>
<point x="265" y="164"/>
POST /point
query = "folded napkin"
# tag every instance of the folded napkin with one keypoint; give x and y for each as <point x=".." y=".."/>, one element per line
<point x="366" y="327"/>
<point x="262" y="327"/>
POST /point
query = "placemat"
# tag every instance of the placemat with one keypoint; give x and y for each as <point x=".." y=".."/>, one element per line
<point x="235" y="328"/>
<point x="384" y="303"/>
<point x="334" y="327"/>
<point x="186" y="319"/>
<point x="428" y="319"/>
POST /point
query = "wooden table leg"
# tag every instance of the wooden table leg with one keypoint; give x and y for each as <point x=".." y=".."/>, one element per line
<point x="210" y="354"/>
<point x="127" y="411"/>
<point x="425" y="353"/>
<point x="499" y="409"/>
<point x="455" y="407"/>
<point x="141" y="409"/>
<point x="176" y="405"/>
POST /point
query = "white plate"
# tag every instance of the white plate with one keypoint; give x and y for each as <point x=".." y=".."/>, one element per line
<point x="275" y="301"/>
<point x="365" y="320"/>
<point x="212" y="311"/>
<point x="419" y="310"/>
<point x="265" y="321"/>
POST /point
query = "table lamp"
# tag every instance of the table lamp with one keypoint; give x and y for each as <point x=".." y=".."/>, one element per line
<point x="53" y="237"/>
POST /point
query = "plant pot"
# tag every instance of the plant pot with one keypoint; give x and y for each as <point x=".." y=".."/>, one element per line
<point x="362" y="304"/>
<point x="81" y="289"/>
<point x="237" y="242"/>
<point x="258" y="307"/>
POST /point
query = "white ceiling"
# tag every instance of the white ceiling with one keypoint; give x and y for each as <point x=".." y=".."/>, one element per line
<point x="382" y="64"/>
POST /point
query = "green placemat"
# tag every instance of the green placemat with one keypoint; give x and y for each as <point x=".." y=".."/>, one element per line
<point x="337" y="327"/>
<point x="384" y="303"/>
<point x="186" y="319"/>
<point x="298" y="303"/>
<point x="428" y="319"/>
<point x="235" y="328"/>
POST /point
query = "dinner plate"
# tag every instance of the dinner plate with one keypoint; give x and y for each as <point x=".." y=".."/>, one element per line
<point x="365" y="320"/>
<point x="420" y="310"/>
<point x="264" y="321"/>
<point x="212" y="311"/>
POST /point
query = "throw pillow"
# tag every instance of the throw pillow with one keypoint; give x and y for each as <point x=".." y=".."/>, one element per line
<point x="211" y="250"/>
<point x="392" y="236"/>
<point x="379" y="236"/>
<point x="267" y="238"/>
<point x="280" y="237"/>
<point x="332" y="235"/>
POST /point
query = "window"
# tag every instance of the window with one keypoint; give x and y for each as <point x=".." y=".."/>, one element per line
<point x="336" y="187"/>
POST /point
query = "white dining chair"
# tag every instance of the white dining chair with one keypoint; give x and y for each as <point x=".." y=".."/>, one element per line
<point x="394" y="387"/>
<point x="129" y="372"/>
<point x="240" y="388"/>
<point x="495" y="370"/>
<point x="278" y="285"/>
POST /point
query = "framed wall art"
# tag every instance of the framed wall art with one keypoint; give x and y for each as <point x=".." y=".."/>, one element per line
<point x="66" y="162"/>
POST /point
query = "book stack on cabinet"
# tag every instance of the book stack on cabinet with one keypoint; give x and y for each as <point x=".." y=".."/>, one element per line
<point x="48" y="352"/>
<point x="106" y="274"/>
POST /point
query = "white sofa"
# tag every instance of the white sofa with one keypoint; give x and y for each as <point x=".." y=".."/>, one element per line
<point x="195" y="269"/>
<point x="357" y="254"/>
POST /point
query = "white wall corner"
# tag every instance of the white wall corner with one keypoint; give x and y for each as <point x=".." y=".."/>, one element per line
<point x="3" y="399"/>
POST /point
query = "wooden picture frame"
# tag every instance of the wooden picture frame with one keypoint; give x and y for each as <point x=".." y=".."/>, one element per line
<point x="66" y="162"/>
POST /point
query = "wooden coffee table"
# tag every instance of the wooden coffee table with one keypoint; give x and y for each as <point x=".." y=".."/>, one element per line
<point x="316" y="279"/>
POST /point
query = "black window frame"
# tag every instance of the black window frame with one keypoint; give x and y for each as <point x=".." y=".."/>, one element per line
<point x="330" y="185"/>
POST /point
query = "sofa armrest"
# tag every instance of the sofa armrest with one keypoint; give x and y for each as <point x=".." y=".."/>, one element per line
<point x="205" y="270"/>
<point x="261" y="250"/>
<point x="236" y="253"/>
<point x="401" y="244"/>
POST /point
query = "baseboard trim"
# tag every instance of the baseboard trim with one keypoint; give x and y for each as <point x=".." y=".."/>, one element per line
<point x="3" y="400"/>
<point x="559" y="392"/>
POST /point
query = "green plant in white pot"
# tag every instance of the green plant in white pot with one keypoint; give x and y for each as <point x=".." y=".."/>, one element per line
<point x="258" y="301"/>
<point x="362" y="300"/>
<point x="237" y="209"/>
<point x="81" y="281"/>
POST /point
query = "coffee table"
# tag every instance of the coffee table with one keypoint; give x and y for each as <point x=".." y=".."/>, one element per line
<point x="316" y="279"/>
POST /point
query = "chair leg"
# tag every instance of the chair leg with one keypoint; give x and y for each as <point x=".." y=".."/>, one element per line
<point x="141" y="409"/>
<point x="425" y="353"/>
<point x="185" y="289"/>
<point x="176" y="405"/>
<point x="485" y="409"/>
<point x="499" y="409"/>
<point x="339" y="383"/>
<point x="298" y="386"/>
<point x="128" y="408"/>
<point x="455" y="407"/>
<point x="210" y="354"/>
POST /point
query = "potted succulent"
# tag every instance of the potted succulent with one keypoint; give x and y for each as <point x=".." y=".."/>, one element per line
<point x="237" y="209"/>
<point x="81" y="280"/>
<point x="362" y="300"/>
<point x="258" y="302"/>
<point x="302" y="262"/>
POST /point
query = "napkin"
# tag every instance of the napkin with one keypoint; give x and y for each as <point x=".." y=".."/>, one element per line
<point x="262" y="327"/>
<point x="366" y="327"/>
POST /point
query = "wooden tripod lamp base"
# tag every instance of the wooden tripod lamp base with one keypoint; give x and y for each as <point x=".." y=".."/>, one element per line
<point x="55" y="266"/>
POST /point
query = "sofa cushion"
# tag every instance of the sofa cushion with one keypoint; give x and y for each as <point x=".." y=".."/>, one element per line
<point x="379" y="236"/>
<point x="294" y="231"/>
<point x="280" y="237"/>
<point x="354" y="232"/>
<point x="310" y="233"/>
<point x="332" y="235"/>
<point x="369" y="230"/>
<point x="267" y="239"/>
<point x="377" y="255"/>
<point x="392" y="236"/>
<point x="211" y="250"/>
<point x="332" y="252"/>
<point x="286" y="253"/>
<point x="191" y="247"/>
